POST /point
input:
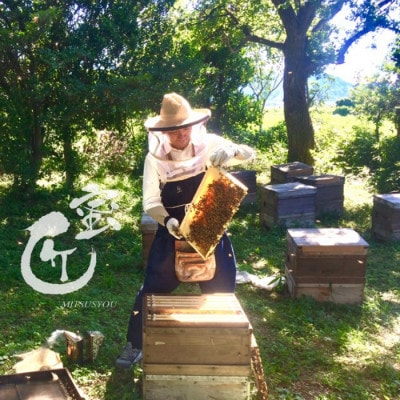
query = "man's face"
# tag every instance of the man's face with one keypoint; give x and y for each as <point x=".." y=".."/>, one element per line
<point x="179" y="138"/>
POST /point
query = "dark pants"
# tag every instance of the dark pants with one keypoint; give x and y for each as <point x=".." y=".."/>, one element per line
<point x="161" y="279"/>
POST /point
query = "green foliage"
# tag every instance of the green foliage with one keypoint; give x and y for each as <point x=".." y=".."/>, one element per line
<point x="380" y="158"/>
<point x="376" y="100"/>
<point x="386" y="175"/>
<point x="67" y="67"/>
<point x="113" y="152"/>
<point x="357" y="153"/>
<point x="344" y="107"/>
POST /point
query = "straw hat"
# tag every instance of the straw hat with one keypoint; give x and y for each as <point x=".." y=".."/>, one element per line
<point x="176" y="113"/>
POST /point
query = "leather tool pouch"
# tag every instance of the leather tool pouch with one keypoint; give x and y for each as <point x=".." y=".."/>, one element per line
<point x="190" y="266"/>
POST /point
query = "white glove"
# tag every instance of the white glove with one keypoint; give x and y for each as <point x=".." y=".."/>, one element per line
<point x="222" y="156"/>
<point x="173" y="228"/>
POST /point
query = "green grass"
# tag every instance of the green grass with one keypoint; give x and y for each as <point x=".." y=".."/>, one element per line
<point x="310" y="350"/>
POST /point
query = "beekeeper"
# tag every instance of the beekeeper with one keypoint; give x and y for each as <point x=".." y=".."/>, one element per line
<point x="180" y="150"/>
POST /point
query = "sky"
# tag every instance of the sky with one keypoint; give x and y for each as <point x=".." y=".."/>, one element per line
<point x="365" y="57"/>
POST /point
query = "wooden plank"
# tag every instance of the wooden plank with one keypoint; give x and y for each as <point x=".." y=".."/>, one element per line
<point x="173" y="387"/>
<point x="336" y="293"/>
<point x="218" y="346"/>
<point x="303" y="220"/>
<point x="197" y="370"/>
<point x="327" y="265"/>
<point x="258" y="370"/>
<point x="328" y="279"/>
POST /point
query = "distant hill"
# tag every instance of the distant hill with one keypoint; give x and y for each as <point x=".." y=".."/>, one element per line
<point x="335" y="89"/>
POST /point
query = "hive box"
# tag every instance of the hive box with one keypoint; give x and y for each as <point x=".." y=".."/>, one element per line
<point x="284" y="173"/>
<point x="195" y="347"/>
<point x="386" y="216"/>
<point x="328" y="264"/>
<point x="329" y="197"/>
<point x="288" y="205"/>
<point x="56" y="384"/>
<point x="249" y="179"/>
<point x="148" y="228"/>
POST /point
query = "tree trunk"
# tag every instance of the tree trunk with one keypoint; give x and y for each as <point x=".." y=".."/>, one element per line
<point x="397" y="120"/>
<point x="69" y="161"/>
<point x="299" y="126"/>
<point x="29" y="178"/>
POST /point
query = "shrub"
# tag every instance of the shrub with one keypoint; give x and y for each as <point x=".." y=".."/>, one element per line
<point x="356" y="154"/>
<point x="386" y="177"/>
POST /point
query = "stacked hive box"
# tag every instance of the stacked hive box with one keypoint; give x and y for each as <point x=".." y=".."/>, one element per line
<point x="288" y="204"/>
<point x="249" y="179"/>
<point x="327" y="264"/>
<point x="148" y="228"/>
<point x="195" y="347"/>
<point x="329" y="197"/>
<point x="386" y="216"/>
<point x="285" y="173"/>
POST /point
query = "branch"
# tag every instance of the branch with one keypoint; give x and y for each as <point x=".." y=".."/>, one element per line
<point x="368" y="27"/>
<point x="333" y="10"/>
<point x="345" y="47"/>
<point x="249" y="37"/>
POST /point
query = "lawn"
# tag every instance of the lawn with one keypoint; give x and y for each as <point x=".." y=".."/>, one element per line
<point x="309" y="350"/>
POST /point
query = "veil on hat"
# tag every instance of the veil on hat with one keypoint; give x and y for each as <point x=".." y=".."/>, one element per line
<point x="176" y="113"/>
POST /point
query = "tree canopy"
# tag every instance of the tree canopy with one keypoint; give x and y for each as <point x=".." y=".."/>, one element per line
<point x="304" y="33"/>
<point x="67" y="67"/>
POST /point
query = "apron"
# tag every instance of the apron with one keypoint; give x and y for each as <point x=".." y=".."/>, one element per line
<point x="176" y="195"/>
<point x="160" y="271"/>
<point x="189" y="265"/>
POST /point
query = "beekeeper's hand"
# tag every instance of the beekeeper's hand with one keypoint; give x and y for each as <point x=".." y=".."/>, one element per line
<point x="173" y="228"/>
<point x="222" y="155"/>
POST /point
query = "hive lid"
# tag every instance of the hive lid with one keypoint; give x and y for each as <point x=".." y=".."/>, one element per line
<point x="291" y="189"/>
<point x="390" y="199"/>
<point x="214" y="204"/>
<point x="320" y="180"/>
<point x="328" y="241"/>
<point x="293" y="166"/>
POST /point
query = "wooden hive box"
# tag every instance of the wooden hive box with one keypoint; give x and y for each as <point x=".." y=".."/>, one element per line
<point x="328" y="264"/>
<point x="249" y="179"/>
<point x="330" y="192"/>
<point x="195" y="347"/>
<point x="284" y="173"/>
<point x="288" y="204"/>
<point x="386" y="216"/>
<point x="148" y="228"/>
<point x="56" y="384"/>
